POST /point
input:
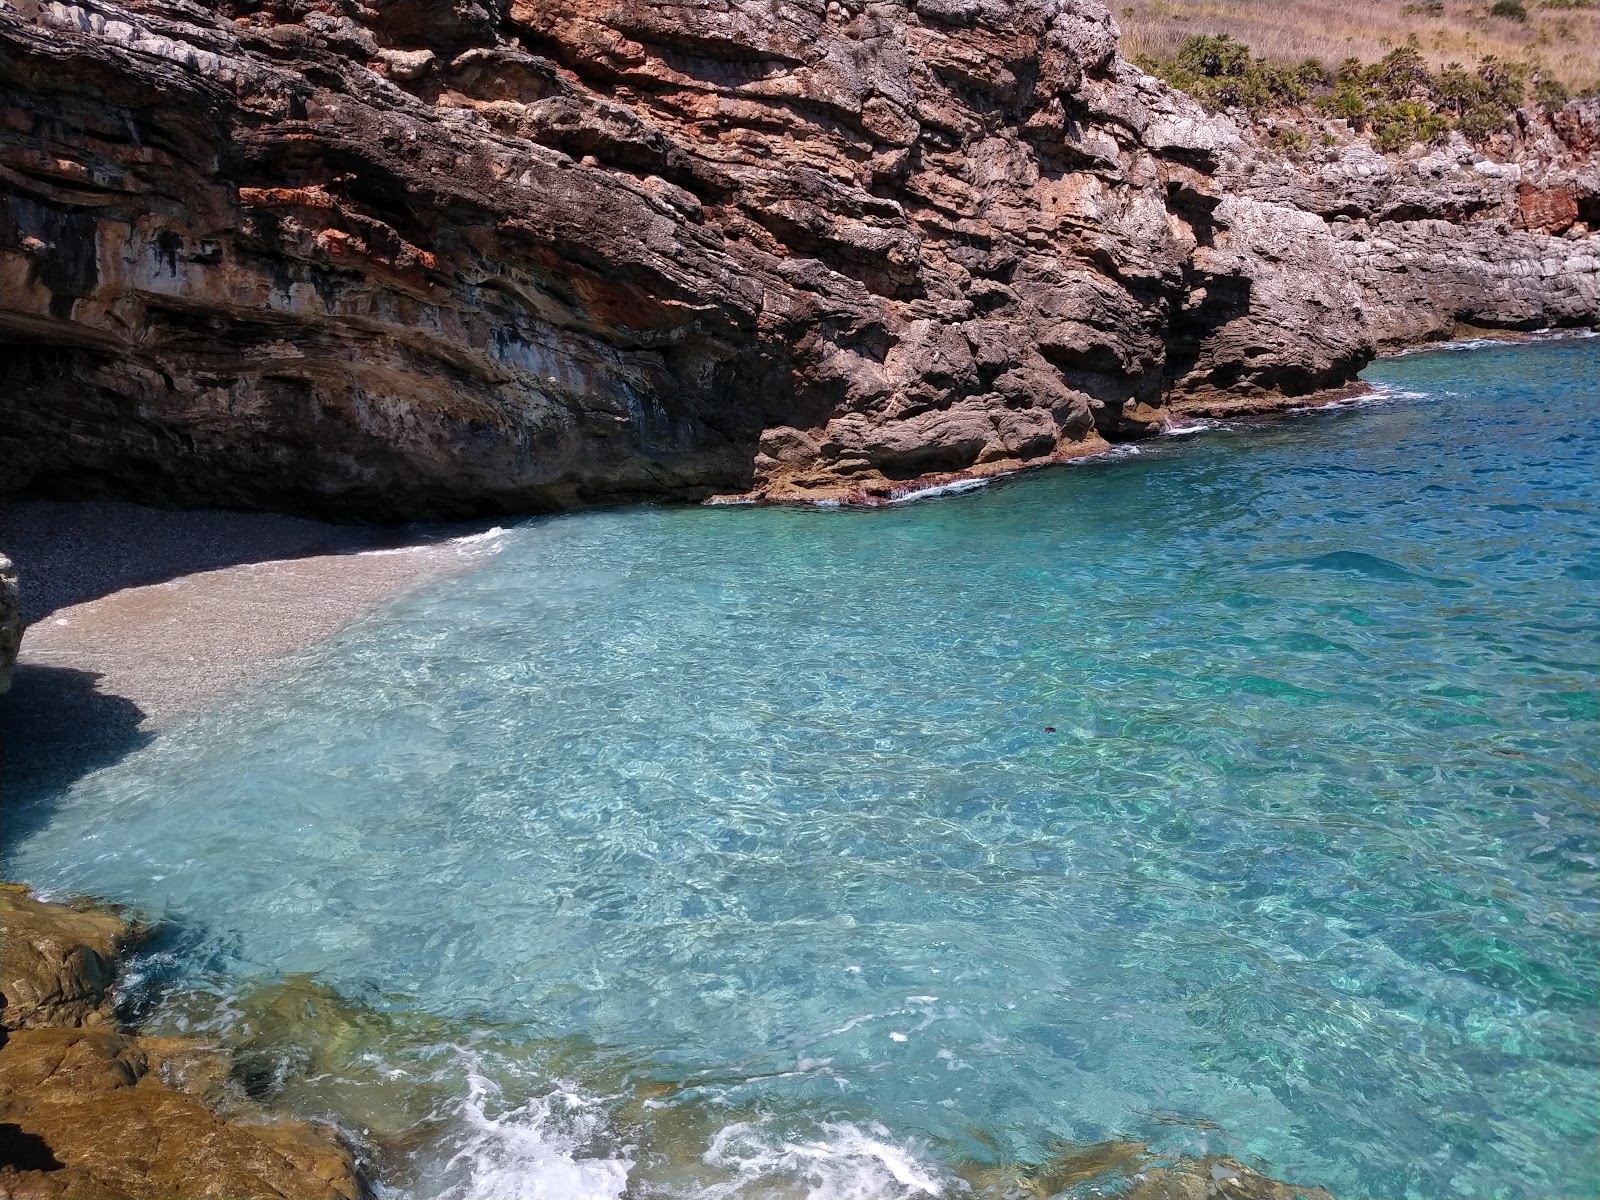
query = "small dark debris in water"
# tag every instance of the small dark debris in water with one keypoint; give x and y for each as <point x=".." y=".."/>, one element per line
<point x="1049" y="728"/>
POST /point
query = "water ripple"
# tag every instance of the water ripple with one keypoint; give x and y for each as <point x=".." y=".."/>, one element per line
<point x="1236" y="797"/>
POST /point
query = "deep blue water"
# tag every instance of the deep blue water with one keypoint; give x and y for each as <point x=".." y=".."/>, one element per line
<point x="1238" y="795"/>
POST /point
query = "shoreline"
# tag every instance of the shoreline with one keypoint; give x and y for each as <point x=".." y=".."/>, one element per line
<point x="97" y="1104"/>
<point x="116" y="613"/>
<point x="879" y="493"/>
<point x="174" y="625"/>
<point x="882" y="493"/>
<point x="208" y="601"/>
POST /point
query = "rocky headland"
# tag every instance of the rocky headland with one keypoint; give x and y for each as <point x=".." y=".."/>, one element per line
<point x="407" y="258"/>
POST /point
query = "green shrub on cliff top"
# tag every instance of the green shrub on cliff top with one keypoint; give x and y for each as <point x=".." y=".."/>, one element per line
<point x="1221" y="74"/>
<point x="1397" y="99"/>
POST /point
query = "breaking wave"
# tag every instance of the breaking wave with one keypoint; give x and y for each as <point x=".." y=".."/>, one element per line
<point x="847" y="1162"/>
<point x="543" y="1149"/>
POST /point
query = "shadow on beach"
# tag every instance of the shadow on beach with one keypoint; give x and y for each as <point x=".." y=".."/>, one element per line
<point x="56" y="727"/>
<point x="69" y="551"/>
<point x="108" y="660"/>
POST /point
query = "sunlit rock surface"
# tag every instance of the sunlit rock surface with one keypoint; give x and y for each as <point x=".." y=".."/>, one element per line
<point x="412" y="258"/>
<point x="90" y="1113"/>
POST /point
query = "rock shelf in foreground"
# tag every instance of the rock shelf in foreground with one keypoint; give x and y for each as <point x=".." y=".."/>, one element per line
<point x="414" y="258"/>
<point x="91" y="1113"/>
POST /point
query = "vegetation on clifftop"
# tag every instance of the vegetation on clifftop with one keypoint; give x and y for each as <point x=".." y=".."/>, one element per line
<point x="1398" y="100"/>
<point x="1558" y="39"/>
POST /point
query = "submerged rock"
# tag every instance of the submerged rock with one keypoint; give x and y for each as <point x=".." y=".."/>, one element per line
<point x="426" y="258"/>
<point x="90" y="1113"/>
<point x="1216" y="1178"/>
<point x="1129" y="1170"/>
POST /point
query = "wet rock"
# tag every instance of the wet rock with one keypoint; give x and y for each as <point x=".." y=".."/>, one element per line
<point x="1216" y="1178"/>
<point x="91" y="1113"/>
<point x="94" y="1099"/>
<point x="57" y="961"/>
<point x="1130" y="1170"/>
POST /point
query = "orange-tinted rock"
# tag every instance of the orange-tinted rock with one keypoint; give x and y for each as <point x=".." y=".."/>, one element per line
<point x="57" y="961"/>
<point x="89" y="1113"/>
<point x="1547" y="210"/>
<point x="88" y="1100"/>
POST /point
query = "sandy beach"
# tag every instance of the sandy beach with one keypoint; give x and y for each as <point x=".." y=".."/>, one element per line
<point x="138" y="616"/>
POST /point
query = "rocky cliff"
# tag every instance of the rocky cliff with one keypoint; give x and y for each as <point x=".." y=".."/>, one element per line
<point x="392" y="258"/>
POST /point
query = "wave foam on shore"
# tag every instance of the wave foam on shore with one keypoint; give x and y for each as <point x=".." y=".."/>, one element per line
<point x="537" y="1150"/>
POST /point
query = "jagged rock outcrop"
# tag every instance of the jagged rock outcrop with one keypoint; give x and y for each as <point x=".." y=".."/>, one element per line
<point x="91" y="1113"/>
<point x="1496" y="237"/>
<point x="406" y="257"/>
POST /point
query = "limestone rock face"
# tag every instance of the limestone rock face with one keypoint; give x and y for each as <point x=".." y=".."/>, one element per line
<point x="10" y="622"/>
<point x="418" y="258"/>
<point x="1449" y="236"/>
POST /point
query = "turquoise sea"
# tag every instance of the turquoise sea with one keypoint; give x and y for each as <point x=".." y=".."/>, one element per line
<point x="1232" y="795"/>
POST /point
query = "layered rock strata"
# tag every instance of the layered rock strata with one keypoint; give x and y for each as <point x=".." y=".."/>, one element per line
<point x="401" y="257"/>
<point x="91" y="1113"/>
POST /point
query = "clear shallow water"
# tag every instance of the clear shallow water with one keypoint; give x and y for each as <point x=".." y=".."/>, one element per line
<point x="762" y="805"/>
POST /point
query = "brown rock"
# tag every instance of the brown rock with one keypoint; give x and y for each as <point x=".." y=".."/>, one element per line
<point x="433" y="258"/>
<point x="1216" y="1178"/>
<point x="88" y="1101"/>
<point x="1547" y="210"/>
<point x="57" y="961"/>
<point x="88" y="1113"/>
<point x="1130" y="1170"/>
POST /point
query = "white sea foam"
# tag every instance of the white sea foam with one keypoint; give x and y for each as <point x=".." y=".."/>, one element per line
<point x="1488" y="343"/>
<point x="846" y="1162"/>
<point x="543" y="1149"/>
<point x="1121" y="450"/>
<point x="1377" y="393"/>
<point x="1199" y="425"/>
<point x="488" y="535"/>
<point x="488" y="539"/>
<point x="955" y="488"/>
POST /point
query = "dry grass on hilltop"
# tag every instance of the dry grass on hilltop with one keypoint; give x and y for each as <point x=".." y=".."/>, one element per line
<point x="1561" y="41"/>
